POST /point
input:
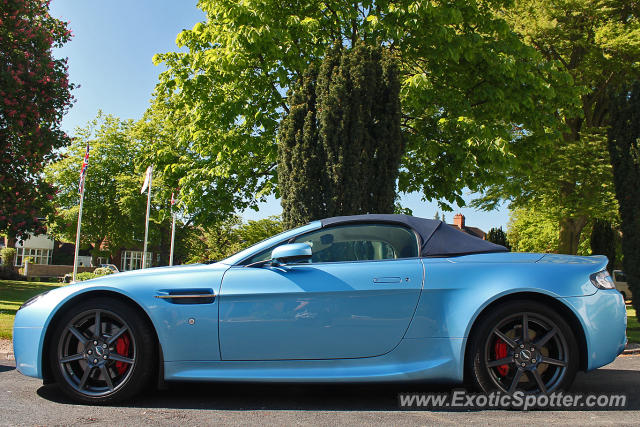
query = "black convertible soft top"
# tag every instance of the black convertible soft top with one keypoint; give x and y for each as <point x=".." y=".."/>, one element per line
<point x="436" y="237"/>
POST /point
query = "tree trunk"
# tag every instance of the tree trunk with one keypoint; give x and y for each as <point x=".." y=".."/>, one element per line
<point x="10" y="241"/>
<point x="570" y="229"/>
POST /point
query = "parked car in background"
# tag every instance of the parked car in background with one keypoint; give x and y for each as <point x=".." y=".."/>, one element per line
<point x="620" y="279"/>
<point x="111" y="267"/>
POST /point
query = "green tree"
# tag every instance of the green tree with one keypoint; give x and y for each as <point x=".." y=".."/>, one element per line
<point x="603" y="241"/>
<point x="597" y="43"/>
<point x="624" y="147"/>
<point x="498" y="236"/>
<point x="35" y="93"/>
<point x="302" y="161"/>
<point x="231" y="236"/>
<point x="465" y="80"/>
<point x="114" y="210"/>
<point x="341" y="144"/>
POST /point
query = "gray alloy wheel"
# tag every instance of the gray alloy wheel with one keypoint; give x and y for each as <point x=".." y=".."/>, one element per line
<point x="524" y="346"/>
<point x="102" y="351"/>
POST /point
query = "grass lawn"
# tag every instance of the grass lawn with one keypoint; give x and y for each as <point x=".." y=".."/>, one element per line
<point x="12" y="294"/>
<point x="633" y="327"/>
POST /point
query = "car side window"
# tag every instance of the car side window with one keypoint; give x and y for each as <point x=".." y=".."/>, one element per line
<point x="362" y="242"/>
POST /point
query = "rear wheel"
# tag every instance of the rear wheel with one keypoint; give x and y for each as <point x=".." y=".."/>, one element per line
<point x="102" y="351"/>
<point x="523" y="346"/>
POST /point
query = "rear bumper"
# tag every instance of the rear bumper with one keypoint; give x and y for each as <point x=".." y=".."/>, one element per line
<point x="604" y="320"/>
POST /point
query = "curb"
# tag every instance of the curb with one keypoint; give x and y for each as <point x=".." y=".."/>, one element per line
<point x="631" y="351"/>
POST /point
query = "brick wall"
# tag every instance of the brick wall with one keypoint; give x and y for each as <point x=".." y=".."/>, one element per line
<point x="42" y="270"/>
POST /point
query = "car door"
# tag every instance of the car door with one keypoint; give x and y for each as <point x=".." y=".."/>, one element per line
<point x="355" y="298"/>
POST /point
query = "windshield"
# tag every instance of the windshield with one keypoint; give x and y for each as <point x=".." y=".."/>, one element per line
<point x="234" y="259"/>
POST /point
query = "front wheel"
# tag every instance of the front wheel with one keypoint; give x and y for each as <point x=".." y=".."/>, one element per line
<point x="102" y="351"/>
<point x="523" y="346"/>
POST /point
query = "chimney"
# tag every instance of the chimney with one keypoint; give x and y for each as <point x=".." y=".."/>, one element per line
<point x="458" y="221"/>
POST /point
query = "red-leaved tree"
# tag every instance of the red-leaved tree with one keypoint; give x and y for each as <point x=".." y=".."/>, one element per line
<point x="34" y="95"/>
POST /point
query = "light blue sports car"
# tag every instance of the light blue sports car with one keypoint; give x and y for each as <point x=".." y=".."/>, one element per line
<point x="364" y="298"/>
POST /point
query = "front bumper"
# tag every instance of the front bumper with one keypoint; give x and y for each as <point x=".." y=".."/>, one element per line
<point x="604" y="320"/>
<point x="26" y="350"/>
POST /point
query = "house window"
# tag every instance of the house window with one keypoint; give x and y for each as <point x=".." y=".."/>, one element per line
<point x="37" y="256"/>
<point x="132" y="260"/>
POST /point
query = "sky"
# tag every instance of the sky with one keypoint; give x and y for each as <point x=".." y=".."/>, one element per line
<point x="110" y="57"/>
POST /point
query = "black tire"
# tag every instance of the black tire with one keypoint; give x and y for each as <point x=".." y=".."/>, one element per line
<point x="106" y="367"/>
<point x="545" y="362"/>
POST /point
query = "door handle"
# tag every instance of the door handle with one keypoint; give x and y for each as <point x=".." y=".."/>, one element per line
<point x="387" y="280"/>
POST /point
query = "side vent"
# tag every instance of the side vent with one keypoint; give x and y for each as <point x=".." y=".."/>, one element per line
<point x="187" y="296"/>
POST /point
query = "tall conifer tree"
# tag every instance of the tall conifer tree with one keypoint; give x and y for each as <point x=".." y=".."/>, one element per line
<point x="624" y="149"/>
<point x="340" y="145"/>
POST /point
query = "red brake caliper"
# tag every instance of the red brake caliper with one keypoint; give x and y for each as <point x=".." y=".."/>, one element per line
<point x="122" y="348"/>
<point x="501" y="352"/>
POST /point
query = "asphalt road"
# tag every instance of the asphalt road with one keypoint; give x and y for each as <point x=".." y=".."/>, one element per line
<point x="25" y="401"/>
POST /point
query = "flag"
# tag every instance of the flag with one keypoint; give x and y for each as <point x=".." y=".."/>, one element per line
<point x="83" y="170"/>
<point x="147" y="180"/>
<point x="173" y="201"/>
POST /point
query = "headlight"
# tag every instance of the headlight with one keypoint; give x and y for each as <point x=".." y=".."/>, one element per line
<point x="602" y="280"/>
<point x="32" y="300"/>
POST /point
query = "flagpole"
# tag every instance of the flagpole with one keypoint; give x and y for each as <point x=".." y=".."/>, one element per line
<point x="173" y="236"/>
<point x="75" y="257"/>
<point x="146" y="223"/>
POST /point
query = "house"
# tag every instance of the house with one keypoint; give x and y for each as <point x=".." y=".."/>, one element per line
<point x="44" y="250"/>
<point x="459" y="223"/>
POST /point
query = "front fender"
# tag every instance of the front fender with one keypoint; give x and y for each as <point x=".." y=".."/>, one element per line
<point x="178" y="338"/>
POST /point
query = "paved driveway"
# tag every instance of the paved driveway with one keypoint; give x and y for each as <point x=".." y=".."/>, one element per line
<point x="25" y="401"/>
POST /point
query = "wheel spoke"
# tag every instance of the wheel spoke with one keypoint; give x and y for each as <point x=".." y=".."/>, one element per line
<point x="119" y="358"/>
<point x="525" y="328"/>
<point x="83" y="340"/>
<point x="538" y="379"/>
<point x="542" y="341"/>
<point x="514" y="383"/>
<point x="505" y="338"/>
<point x="98" y="325"/>
<point x="85" y="377"/>
<point x="494" y="363"/>
<point x="117" y="335"/>
<point x="107" y="377"/>
<point x="72" y="358"/>
<point x="552" y="361"/>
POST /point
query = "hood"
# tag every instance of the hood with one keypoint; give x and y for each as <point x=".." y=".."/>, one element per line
<point x="148" y="273"/>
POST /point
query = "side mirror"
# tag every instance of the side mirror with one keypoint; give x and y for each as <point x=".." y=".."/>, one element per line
<point x="291" y="252"/>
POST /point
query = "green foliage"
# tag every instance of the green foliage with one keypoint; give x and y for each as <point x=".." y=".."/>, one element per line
<point x="98" y="272"/>
<point x="498" y="236"/>
<point x="624" y="148"/>
<point x="340" y="145"/>
<point x="465" y="80"/>
<point x="530" y="230"/>
<point x="9" y="273"/>
<point x="603" y="241"/>
<point x="8" y="257"/>
<point x="231" y="236"/>
<point x="85" y="275"/>
<point x="113" y="211"/>
<point x="35" y="94"/>
<point x="597" y="44"/>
